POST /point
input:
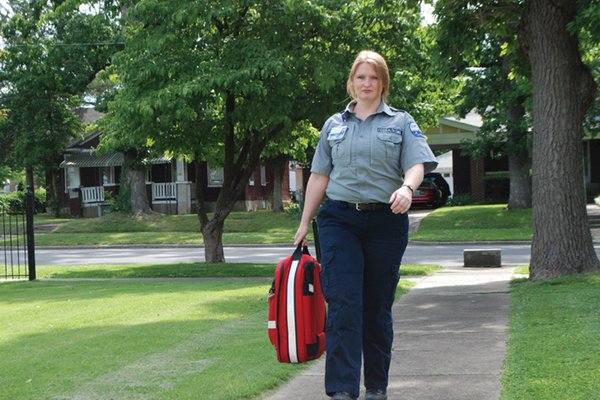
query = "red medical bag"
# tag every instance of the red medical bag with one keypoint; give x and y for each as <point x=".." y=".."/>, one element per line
<point x="297" y="309"/>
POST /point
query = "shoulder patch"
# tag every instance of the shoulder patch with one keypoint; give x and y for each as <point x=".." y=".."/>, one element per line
<point x="415" y="130"/>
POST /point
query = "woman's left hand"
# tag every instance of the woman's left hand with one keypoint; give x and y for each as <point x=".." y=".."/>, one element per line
<point x="401" y="200"/>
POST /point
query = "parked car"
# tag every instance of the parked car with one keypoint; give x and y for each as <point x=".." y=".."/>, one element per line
<point x="428" y="195"/>
<point x="441" y="183"/>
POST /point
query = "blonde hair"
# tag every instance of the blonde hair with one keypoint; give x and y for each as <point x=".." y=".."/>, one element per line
<point x="377" y="61"/>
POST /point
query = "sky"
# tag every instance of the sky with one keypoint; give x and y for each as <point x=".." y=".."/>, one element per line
<point x="427" y="13"/>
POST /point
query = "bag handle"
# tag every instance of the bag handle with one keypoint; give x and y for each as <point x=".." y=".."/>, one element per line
<point x="304" y="249"/>
<point x="316" y="236"/>
<point x="300" y="250"/>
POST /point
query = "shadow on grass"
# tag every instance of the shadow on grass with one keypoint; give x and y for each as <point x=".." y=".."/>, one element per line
<point x="58" y="291"/>
<point x="176" y="270"/>
<point x="106" y="340"/>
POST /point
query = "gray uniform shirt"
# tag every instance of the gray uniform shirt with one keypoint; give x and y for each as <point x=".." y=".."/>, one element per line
<point x="365" y="160"/>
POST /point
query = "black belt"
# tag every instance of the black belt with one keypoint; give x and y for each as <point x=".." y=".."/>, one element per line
<point x="364" y="206"/>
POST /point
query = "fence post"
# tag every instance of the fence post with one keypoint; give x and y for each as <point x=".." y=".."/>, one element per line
<point x="29" y="209"/>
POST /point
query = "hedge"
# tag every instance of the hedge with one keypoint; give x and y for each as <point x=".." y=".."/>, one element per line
<point x="15" y="202"/>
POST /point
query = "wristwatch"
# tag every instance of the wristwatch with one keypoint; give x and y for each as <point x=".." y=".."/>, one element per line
<point x="409" y="186"/>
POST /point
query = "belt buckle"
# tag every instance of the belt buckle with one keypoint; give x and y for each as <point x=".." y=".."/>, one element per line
<point x="357" y="206"/>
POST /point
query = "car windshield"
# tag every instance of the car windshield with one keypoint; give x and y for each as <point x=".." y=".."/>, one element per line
<point x="427" y="185"/>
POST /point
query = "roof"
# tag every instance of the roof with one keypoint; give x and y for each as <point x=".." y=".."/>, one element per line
<point x="86" y="160"/>
<point x="473" y="118"/>
<point x="84" y="142"/>
<point x="88" y="114"/>
<point x="451" y="131"/>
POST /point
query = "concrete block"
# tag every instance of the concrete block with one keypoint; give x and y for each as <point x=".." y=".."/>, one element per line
<point x="477" y="258"/>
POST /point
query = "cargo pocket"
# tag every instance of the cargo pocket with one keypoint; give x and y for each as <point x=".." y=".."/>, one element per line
<point x="326" y="271"/>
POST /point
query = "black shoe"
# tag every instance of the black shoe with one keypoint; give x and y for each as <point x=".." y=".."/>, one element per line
<point x="343" y="396"/>
<point x="376" y="394"/>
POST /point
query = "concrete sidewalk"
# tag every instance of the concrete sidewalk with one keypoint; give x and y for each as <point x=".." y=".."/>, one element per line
<point x="450" y="336"/>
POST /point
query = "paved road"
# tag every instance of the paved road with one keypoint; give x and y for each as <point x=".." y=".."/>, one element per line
<point x="446" y="254"/>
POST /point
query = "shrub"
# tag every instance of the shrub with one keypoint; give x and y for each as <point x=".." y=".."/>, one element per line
<point x="497" y="187"/>
<point x="15" y="202"/>
<point x="39" y="200"/>
<point x="293" y="210"/>
<point x="120" y="202"/>
<point x="460" y="200"/>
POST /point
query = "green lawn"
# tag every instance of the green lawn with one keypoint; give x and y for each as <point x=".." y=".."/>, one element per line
<point x="466" y="223"/>
<point x="178" y="338"/>
<point x="258" y="227"/>
<point x="185" y="270"/>
<point x="133" y="340"/>
<point x="554" y="340"/>
<point x="475" y="223"/>
<point x="107" y="340"/>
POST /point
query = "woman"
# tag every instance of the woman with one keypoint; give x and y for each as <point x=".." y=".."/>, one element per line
<point x="359" y="163"/>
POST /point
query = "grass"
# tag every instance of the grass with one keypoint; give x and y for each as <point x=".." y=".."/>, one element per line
<point x="466" y="223"/>
<point x="554" y="346"/>
<point x="185" y="270"/>
<point x="177" y="270"/>
<point x="161" y="340"/>
<point x="475" y="223"/>
<point x="258" y="227"/>
<point x="140" y="339"/>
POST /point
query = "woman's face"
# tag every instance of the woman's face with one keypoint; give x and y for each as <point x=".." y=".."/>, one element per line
<point x="366" y="82"/>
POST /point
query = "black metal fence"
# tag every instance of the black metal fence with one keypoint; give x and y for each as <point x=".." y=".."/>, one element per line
<point x="17" y="240"/>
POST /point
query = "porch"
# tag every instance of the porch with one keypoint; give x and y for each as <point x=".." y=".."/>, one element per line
<point x="95" y="199"/>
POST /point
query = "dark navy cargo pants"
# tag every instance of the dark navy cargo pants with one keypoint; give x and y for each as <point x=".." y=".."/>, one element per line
<point x="361" y="254"/>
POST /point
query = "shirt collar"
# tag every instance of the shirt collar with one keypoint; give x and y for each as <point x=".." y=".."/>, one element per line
<point x="383" y="108"/>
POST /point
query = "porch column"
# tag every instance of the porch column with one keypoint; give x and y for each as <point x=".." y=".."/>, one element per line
<point x="184" y="189"/>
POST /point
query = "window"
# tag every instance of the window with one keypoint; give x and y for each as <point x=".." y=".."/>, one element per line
<point x="263" y="175"/>
<point x="108" y="176"/>
<point x="73" y="177"/>
<point x="215" y="177"/>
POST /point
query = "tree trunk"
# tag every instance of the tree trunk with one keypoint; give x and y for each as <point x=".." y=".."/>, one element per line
<point x="563" y="89"/>
<point x="213" y="241"/>
<point x="520" y="183"/>
<point x="519" y="161"/>
<point x="278" y="166"/>
<point x="29" y="178"/>
<point x="135" y="181"/>
<point x="237" y="168"/>
<point x="212" y="230"/>
<point x="53" y="194"/>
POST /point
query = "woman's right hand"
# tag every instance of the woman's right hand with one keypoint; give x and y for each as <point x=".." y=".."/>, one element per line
<point x="301" y="235"/>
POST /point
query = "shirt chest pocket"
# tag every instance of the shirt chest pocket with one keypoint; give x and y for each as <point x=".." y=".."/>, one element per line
<point x="387" y="146"/>
<point x="340" y="151"/>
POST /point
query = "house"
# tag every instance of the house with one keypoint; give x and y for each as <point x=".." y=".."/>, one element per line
<point x="90" y="180"/>
<point x="468" y="173"/>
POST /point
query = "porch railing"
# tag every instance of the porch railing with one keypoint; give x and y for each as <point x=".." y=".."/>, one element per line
<point x="164" y="191"/>
<point x="94" y="194"/>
